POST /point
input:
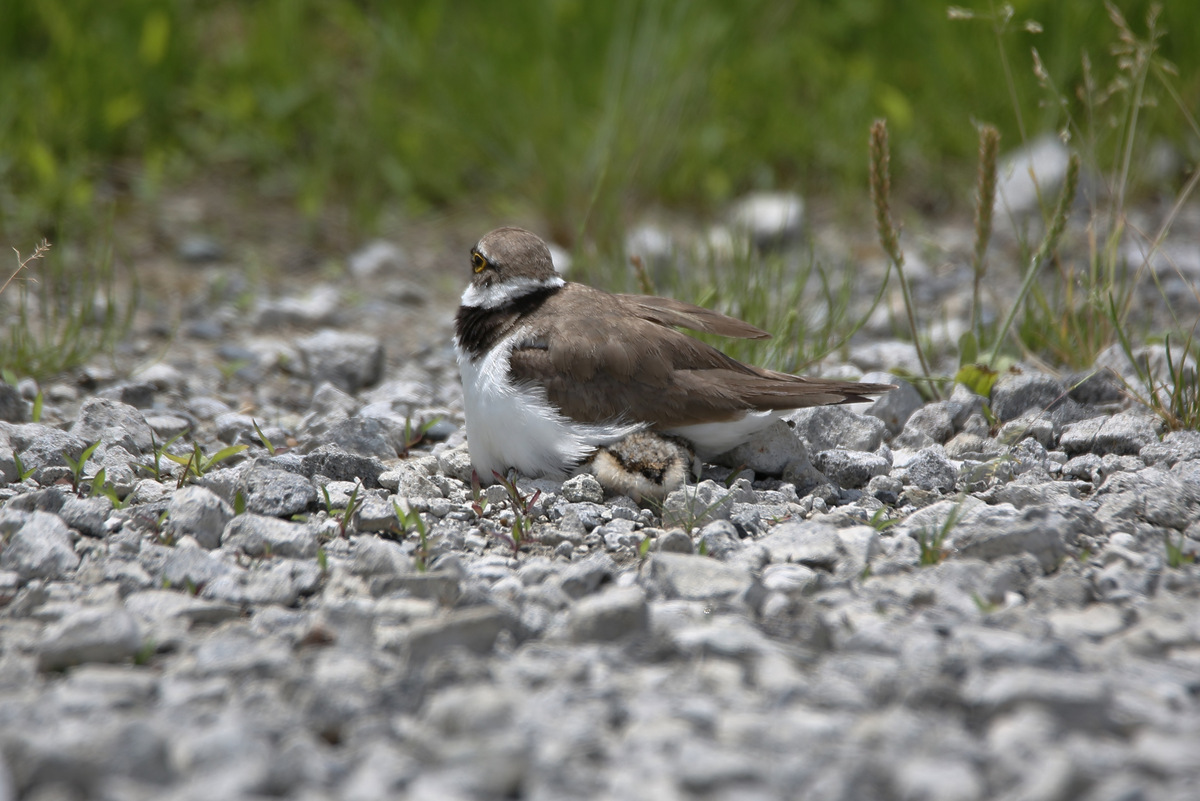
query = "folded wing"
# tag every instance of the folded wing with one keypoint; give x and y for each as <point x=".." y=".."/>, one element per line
<point x="617" y="365"/>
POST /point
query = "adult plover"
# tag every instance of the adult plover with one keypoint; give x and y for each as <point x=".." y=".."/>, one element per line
<point x="553" y="371"/>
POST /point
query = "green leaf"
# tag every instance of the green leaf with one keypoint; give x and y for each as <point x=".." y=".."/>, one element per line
<point x="263" y="438"/>
<point x="222" y="455"/>
<point x="880" y="521"/>
<point x="156" y="34"/>
<point x="978" y="378"/>
<point x="22" y="473"/>
<point x="968" y="348"/>
<point x="98" y="482"/>
<point x="88" y="451"/>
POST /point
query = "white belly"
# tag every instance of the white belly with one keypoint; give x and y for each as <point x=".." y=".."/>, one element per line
<point x="515" y="426"/>
<point x="713" y="439"/>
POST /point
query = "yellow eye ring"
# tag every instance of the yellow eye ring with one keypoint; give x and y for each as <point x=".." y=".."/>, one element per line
<point x="478" y="263"/>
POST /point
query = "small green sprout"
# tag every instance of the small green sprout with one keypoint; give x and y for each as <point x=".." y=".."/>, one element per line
<point x="263" y="438"/>
<point x="76" y="465"/>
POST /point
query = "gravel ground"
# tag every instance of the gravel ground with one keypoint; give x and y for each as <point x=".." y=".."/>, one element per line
<point x="896" y="601"/>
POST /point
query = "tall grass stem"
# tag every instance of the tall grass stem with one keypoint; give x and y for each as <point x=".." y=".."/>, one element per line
<point x="1048" y="245"/>
<point x="985" y="204"/>
<point x="889" y="237"/>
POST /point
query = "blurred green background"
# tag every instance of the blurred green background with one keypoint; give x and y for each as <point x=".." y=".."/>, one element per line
<point x="581" y="113"/>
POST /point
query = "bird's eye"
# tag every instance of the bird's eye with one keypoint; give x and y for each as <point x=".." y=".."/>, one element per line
<point x="478" y="263"/>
